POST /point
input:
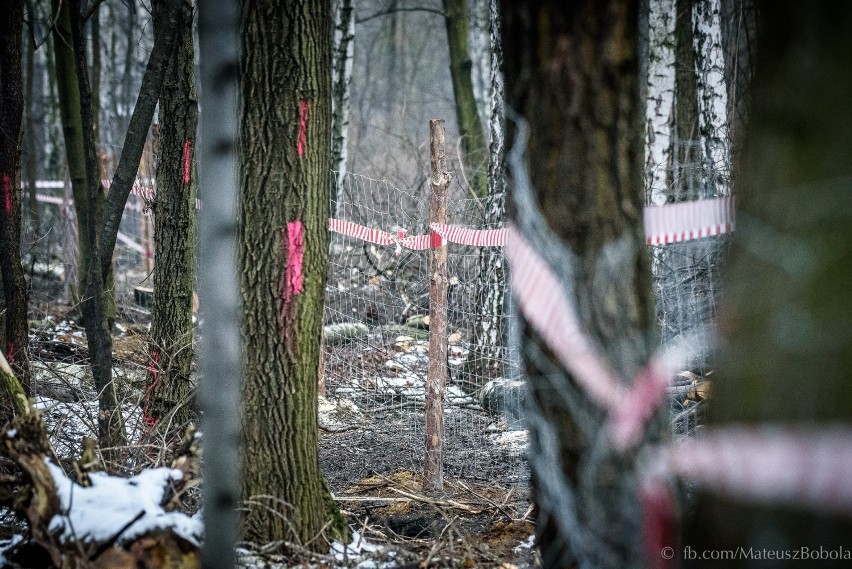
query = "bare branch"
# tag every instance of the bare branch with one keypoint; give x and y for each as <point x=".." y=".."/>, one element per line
<point x="387" y="11"/>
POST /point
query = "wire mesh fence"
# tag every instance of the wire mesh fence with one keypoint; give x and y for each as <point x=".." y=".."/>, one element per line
<point x="376" y="339"/>
<point x="687" y="277"/>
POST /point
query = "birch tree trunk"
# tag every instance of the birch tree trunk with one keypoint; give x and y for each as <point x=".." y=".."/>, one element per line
<point x="487" y="357"/>
<point x="285" y="135"/>
<point x="660" y="101"/>
<point x="712" y="94"/>
<point x="344" y="52"/>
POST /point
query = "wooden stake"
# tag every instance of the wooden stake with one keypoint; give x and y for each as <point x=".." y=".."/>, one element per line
<point x="436" y="380"/>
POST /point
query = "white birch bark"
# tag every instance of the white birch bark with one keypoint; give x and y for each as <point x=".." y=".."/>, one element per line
<point x="660" y="102"/>
<point x="487" y="359"/>
<point x="344" y="51"/>
<point x="712" y="94"/>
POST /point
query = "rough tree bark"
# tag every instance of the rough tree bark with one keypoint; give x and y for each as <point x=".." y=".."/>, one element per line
<point x="572" y="76"/>
<point x="14" y="335"/>
<point x="170" y="343"/>
<point x="284" y="142"/>
<point x="787" y="341"/>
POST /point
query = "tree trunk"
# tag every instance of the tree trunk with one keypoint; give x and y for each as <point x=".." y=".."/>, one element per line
<point x="109" y="288"/>
<point x="571" y="75"/>
<point x="712" y="94"/>
<point x="170" y="341"/>
<point x="467" y="115"/>
<point x="660" y="101"/>
<point x="284" y="140"/>
<point x="98" y="336"/>
<point x="487" y="357"/>
<point x="480" y="30"/>
<point x="688" y="176"/>
<point x="218" y="45"/>
<point x="739" y="38"/>
<point x="788" y="343"/>
<point x="69" y="104"/>
<point x="14" y="335"/>
<point x="32" y="221"/>
<point x="344" y="51"/>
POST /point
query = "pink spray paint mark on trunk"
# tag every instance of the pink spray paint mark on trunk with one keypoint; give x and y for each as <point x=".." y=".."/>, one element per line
<point x="187" y="153"/>
<point x="303" y="128"/>
<point x="10" y="352"/>
<point x="295" y="252"/>
<point x="154" y="372"/>
<point x="7" y="193"/>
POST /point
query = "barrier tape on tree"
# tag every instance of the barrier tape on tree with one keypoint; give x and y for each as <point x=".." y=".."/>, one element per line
<point x="806" y="467"/>
<point x="684" y="221"/>
<point x="770" y="464"/>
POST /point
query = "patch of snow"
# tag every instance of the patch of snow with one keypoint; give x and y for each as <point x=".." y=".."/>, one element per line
<point x="528" y="544"/>
<point x="98" y="512"/>
<point x="11" y="433"/>
<point x="361" y="554"/>
<point x="516" y="442"/>
<point x="6" y="545"/>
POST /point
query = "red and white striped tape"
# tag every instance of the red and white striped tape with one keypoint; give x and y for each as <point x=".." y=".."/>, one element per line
<point x="472" y="237"/>
<point x="803" y="467"/>
<point x="379" y="237"/>
<point x="683" y="221"/>
<point x="541" y="299"/>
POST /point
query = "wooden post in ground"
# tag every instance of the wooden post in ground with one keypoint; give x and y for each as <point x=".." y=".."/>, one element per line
<point x="436" y="380"/>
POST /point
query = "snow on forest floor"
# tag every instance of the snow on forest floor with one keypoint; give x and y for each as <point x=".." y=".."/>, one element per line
<point x="370" y="456"/>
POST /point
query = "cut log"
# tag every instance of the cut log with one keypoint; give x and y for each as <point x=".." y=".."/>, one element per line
<point x="505" y="398"/>
<point x="344" y="332"/>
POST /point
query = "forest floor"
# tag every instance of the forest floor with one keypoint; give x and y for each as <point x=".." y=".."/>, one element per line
<point x="482" y="518"/>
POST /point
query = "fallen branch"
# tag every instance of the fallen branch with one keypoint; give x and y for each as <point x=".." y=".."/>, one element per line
<point x="433" y="502"/>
